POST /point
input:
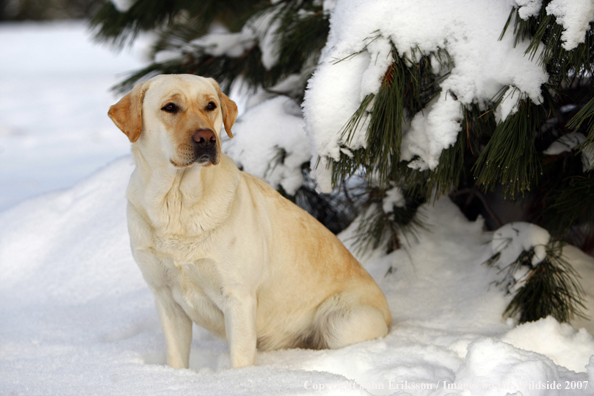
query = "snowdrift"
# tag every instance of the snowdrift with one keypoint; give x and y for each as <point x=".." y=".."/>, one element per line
<point x="76" y="317"/>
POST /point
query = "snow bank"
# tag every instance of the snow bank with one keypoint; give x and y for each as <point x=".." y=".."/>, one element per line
<point x="543" y="336"/>
<point x="77" y="318"/>
<point x="469" y="30"/>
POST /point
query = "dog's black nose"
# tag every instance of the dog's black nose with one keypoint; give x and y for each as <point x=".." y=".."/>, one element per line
<point x="205" y="137"/>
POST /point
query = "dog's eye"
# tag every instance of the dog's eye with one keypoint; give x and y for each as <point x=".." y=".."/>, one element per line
<point x="211" y="106"/>
<point x="170" y="108"/>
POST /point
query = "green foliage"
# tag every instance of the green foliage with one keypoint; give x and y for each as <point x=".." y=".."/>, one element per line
<point x="406" y="88"/>
<point x="35" y="10"/>
<point x="300" y="37"/>
<point x="376" y="228"/>
<point x="571" y="204"/>
<point x="545" y="35"/>
<point x="548" y="288"/>
<point x="510" y="157"/>
<point x="453" y="170"/>
<point x="192" y="17"/>
<point x="585" y="117"/>
<point x="224" y="69"/>
<point x="565" y="68"/>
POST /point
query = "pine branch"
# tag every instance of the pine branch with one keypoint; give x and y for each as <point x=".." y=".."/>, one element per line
<point x="549" y="289"/>
<point x="545" y="34"/>
<point x="301" y="34"/>
<point x="571" y="204"/>
<point x="455" y="161"/>
<point x="510" y="158"/>
<point x="407" y="87"/>
<point x="119" y="28"/>
<point x="585" y="116"/>
<point x="376" y="227"/>
<point x="507" y="154"/>
<point x="224" y="69"/>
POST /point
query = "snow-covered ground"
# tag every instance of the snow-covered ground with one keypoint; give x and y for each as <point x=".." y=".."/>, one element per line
<point x="76" y="317"/>
<point x="54" y="96"/>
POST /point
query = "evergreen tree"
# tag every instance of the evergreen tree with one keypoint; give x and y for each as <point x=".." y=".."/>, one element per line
<point x="537" y="156"/>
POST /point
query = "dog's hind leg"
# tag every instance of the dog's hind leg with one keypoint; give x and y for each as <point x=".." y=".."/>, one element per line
<point x="340" y="322"/>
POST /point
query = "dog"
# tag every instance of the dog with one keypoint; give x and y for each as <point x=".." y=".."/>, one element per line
<point x="220" y="247"/>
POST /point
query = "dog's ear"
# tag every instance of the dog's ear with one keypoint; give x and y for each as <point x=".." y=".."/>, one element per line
<point x="229" y="108"/>
<point x="127" y="113"/>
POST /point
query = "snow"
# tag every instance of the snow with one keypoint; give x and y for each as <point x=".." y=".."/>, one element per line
<point x="394" y="197"/>
<point x="165" y="56"/>
<point x="444" y="115"/>
<point x="328" y="6"/>
<point x="122" y="5"/>
<point x="229" y="44"/>
<point x="271" y="133"/>
<point x="468" y="29"/>
<point x="566" y="143"/>
<point x="575" y="16"/>
<point x="509" y="104"/>
<point x="513" y="238"/>
<point x="54" y="94"/>
<point x="260" y="29"/>
<point x="77" y="318"/>
<point x="543" y="336"/>
<point x="528" y="8"/>
<point x="265" y="27"/>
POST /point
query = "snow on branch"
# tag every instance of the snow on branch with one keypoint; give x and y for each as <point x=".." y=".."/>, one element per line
<point x="269" y="142"/>
<point x="575" y="16"/>
<point x="569" y="142"/>
<point x="513" y="238"/>
<point x="535" y="272"/>
<point x="469" y="31"/>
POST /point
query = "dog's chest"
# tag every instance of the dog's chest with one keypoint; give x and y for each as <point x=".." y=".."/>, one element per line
<point x="194" y="284"/>
<point x="181" y="249"/>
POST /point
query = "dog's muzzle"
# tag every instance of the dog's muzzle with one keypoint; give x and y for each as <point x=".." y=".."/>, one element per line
<point x="205" y="146"/>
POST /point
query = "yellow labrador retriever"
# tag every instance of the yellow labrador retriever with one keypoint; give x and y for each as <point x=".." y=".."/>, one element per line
<point x="223" y="249"/>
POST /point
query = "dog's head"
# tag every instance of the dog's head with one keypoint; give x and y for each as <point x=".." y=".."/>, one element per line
<point x="180" y="116"/>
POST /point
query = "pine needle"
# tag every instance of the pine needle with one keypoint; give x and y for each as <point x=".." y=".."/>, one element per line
<point x="550" y="289"/>
<point x="510" y="158"/>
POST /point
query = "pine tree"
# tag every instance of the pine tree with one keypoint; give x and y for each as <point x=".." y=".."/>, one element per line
<point x="493" y="157"/>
